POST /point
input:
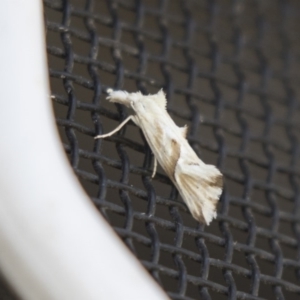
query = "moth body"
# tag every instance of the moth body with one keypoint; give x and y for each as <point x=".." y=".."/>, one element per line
<point x="200" y="185"/>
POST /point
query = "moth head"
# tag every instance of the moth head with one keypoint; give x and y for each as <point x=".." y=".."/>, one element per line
<point x="122" y="97"/>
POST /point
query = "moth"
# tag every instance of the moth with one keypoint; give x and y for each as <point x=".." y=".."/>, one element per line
<point x="199" y="184"/>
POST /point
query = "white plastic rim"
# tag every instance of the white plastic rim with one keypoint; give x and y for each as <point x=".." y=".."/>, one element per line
<point x="53" y="242"/>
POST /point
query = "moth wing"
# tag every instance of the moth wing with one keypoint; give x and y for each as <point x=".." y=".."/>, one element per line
<point x="160" y="99"/>
<point x="184" y="130"/>
<point x="200" y="186"/>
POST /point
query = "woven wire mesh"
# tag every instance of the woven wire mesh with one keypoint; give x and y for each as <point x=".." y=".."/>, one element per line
<point x="231" y="73"/>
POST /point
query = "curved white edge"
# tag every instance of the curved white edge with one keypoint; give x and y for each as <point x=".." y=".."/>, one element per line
<point x="53" y="243"/>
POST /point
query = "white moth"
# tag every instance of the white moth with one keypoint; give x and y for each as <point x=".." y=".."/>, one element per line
<point x="200" y="185"/>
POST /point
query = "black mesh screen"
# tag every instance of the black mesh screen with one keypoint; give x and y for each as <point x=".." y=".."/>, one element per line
<point x="231" y="73"/>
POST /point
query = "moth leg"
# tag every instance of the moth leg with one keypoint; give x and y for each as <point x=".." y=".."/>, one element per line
<point x="115" y="130"/>
<point x="154" y="167"/>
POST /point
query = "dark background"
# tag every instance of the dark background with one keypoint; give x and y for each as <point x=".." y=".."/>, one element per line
<point x="231" y="73"/>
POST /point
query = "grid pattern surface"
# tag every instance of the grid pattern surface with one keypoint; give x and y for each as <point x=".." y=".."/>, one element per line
<point x="231" y="73"/>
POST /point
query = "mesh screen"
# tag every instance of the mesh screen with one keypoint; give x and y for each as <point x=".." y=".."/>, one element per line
<point x="231" y="73"/>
